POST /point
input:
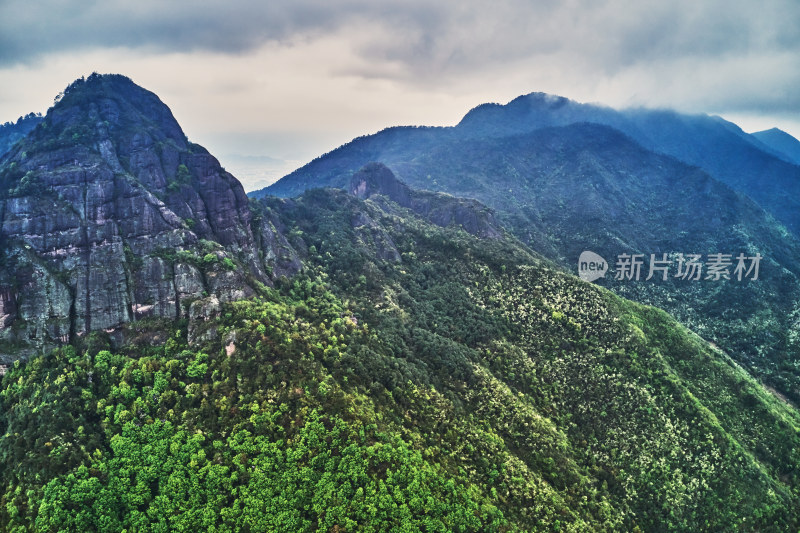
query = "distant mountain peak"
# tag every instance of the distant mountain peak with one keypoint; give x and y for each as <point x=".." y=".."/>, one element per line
<point x="531" y="111"/>
<point x="12" y="132"/>
<point x="539" y="99"/>
<point x="781" y="143"/>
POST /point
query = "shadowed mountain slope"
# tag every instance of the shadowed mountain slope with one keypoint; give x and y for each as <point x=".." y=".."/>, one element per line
<point x="586" y="186"/>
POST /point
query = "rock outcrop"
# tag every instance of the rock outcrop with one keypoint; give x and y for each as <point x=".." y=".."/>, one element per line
<point x="438" y="208"/>
<point x="108" y="215"/>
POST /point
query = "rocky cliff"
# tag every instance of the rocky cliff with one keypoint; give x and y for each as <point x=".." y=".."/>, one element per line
<point x="108" y="215"/>
<point x="438" y="208"/>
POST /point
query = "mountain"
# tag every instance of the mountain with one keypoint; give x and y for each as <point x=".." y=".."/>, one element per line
<point x="379" y="358"/>
<point x="11" y="132"/>
<point x="781" y="143"/>
<point x="587" y="186"/>
<point x="109" y="215"/>
<point x="459" y="384"/>
<point x="717" y="146"/>
<point x="440" y="209"/>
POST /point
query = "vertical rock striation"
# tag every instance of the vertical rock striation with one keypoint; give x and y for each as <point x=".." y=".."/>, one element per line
<point x="108" y="215"/>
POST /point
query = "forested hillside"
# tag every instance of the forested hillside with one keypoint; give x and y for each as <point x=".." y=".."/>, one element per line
<point x="463" y="385"/>
<point x="563" y="189"/>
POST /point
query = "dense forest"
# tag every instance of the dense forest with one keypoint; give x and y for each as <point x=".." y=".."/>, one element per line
<point x="466" y="386"/>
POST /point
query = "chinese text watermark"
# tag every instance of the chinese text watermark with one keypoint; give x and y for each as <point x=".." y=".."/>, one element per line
<point x="690" y="267"/>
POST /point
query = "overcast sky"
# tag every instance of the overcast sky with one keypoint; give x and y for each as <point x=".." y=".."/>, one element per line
<point x="289" y="80"/>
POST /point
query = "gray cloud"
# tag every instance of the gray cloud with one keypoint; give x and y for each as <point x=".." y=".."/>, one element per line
<point x="607" y="36"/>
<point x="31" y="29"/>
<point x="733" y="56"/>
<point x="444" y="34"/>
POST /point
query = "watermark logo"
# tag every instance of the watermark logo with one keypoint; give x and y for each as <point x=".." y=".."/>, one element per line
<point x="591" y="266"/>
<point x="688" y="267"/>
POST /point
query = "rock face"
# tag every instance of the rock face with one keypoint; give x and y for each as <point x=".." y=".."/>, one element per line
<point x="377" y="178"/>
<point x="109" y="215"/>
<point x="270" y="233"/>
<point x="440" y="209"/>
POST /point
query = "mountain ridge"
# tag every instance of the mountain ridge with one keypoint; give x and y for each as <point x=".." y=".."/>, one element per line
<point x="11" y="132"/>
<point x="719" y="147"/>
<point x="781" y="142"/>
<point x="586" y="186"/>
